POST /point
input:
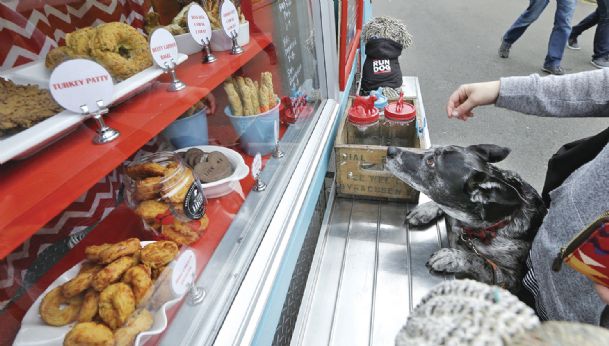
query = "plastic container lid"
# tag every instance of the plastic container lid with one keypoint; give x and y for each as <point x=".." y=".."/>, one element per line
<point x="358" y="115"/>
<point x="404" y="113"/>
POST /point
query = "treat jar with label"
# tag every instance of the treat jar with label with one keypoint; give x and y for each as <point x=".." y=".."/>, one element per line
<point x="399" y="126"/>
<point x="167" y="195"/>
<point x="363" y="125"/>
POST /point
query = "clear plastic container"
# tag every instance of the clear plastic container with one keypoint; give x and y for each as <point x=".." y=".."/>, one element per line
<point x="363" y="126"/>
<point x="168" y="197"/>
<point x="399" y="126"/>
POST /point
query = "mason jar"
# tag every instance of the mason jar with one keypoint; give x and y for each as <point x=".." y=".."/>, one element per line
<point x="363" y="127"/>
<point x="399" y="126"/>
<point x="167" y="195"/>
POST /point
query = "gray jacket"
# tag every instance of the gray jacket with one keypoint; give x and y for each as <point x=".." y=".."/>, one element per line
<point x="566" y="295"/>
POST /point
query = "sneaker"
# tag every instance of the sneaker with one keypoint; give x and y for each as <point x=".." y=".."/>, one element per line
<point x="504" y="50"/>
<point x="600" y="62"/>
<point x="555" y="70"/>
<point x="572" y="43"/>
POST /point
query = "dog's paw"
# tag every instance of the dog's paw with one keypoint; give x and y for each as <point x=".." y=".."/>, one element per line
<point x="447" y="260"/>
<point x="423" y="214"/>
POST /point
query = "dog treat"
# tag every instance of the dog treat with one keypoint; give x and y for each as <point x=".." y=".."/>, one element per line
<point x="233" y="99"/>
<point x="249" y="96"/>
<point x="89" y="333"/>
<point x="57" y="310"/>
<point x="209" y="167"/>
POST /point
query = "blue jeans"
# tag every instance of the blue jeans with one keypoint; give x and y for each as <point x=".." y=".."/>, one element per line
<point x="601" y="36"/>
<point x="560" y="31"/>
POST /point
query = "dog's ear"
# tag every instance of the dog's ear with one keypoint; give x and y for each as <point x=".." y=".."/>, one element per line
<point x="494" y="198"/>
<point x="490" y="152"/>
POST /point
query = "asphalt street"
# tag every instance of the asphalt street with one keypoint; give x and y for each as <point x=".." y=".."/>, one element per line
<point x="456" y="42"/>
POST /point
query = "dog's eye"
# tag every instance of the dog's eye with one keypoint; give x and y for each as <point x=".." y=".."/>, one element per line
<point x="430" y="162"/>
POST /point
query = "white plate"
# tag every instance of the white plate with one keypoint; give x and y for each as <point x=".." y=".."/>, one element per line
<point x="25" y="143"/>
<point x="229" y="184"/>
<point x="34" y="331"/>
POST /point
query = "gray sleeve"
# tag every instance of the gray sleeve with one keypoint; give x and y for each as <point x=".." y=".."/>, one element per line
<point x="584" y="94"/>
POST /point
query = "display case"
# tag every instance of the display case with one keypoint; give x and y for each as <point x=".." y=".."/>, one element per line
<point x="261" y="117"/>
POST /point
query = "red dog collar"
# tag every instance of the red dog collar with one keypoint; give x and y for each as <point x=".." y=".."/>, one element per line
<point x="486" y="235"/>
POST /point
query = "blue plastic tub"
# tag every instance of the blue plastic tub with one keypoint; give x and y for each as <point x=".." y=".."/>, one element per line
<point x="189" y="131"/>
<point x="257" y="133"/>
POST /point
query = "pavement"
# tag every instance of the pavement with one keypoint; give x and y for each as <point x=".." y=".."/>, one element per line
<point x="456" y="42"/>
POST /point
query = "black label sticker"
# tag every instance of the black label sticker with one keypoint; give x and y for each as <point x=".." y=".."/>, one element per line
<point x="194" y="202"/>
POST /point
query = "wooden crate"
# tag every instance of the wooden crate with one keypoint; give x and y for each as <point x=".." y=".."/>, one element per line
<point x="360" y="168"/>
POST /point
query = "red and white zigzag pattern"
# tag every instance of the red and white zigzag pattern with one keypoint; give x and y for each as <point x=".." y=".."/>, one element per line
<point x="30" y="28"/>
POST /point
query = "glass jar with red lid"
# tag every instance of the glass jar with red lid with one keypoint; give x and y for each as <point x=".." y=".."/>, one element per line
<point x="399" y="126"/>
<point x="363" y="126"/>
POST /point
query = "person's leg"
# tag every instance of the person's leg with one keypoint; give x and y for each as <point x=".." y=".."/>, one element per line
<point x="560" y="34"/>
<point x="527" y="17"/>
<point x="601" y="36"/>
<point x="585" y="24"/>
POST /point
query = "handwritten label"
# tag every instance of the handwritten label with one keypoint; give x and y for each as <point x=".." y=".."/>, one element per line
<point x="256" y="166"/>
<point x="163" y="47"/>
<point x="79" y="82"/>
<point x="230" y="18"/>
<point x="289" y="43"/>
<point x="183" y="274"/>
<point x="198" y="24"/>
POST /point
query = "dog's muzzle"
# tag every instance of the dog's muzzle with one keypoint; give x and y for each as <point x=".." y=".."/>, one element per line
<point x="392" y="152"/>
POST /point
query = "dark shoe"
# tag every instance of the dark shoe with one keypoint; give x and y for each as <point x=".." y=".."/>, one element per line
<point x="600" y="62"/>
<point x="572" y="43"/>
<point x="555" y="70"/>
<point x="504" y="50"/>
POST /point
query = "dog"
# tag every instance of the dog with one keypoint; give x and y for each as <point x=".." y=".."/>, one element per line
<point x="492" y="213"/>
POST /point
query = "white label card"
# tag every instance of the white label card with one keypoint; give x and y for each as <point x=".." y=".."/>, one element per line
<point x="183" y="274"/>
<point x="198" y="24"/>
<point x="230" y="18"/>
<point x="81" y="82"/>
<point x="256" y="165"/>
<point x="163" y="47"/>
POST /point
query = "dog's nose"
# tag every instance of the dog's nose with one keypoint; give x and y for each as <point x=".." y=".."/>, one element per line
<point x="392" y="152"/>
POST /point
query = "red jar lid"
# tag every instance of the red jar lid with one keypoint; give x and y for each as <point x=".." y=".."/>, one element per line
<point x="406" y="112"/>
<point x="359" y="115"/>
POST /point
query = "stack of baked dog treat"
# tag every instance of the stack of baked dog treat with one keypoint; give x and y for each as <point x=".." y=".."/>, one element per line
<point x="248" y="97"/>
<point x="113" y="294"/>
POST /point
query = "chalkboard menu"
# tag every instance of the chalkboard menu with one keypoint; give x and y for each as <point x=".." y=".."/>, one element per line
<point x="293" y="36"/>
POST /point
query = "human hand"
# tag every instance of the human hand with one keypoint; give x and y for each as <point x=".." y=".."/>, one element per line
<point x="468" y="96"/>
<point x="210" y="101"/>
<point x="602" y="292"/>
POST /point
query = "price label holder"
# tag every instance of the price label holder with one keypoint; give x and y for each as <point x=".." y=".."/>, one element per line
<point x="200" y="30"/>
<point x="183" y="278"/>
<point x="256" y="170"/>
<point x="230" y="24"/>
<point x="164" y="50"/>
<point x="85" y="87"/>
<point x="277" y="153"/>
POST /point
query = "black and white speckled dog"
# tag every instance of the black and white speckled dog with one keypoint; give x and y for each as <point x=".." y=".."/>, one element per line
<point x="493" y="213"/>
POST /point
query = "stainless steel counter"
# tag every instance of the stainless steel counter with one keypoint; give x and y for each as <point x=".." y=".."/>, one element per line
<point x="367" y="274"/>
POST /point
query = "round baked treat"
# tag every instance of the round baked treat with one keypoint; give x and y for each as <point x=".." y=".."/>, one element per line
<point x="176" y="185"/>
<point x="185" y="233"/>
<point x="145" y="170"/>
<point x="116" y="304"/>
<point x="58" y="55"/>
<point x="193" y="156"/>
<point x="80" y="41"/>
<point x="89" y="334"/>
<point x="139" y="322"/>
<point x="88" y="310"/>
<point x="216" y="166"/>
<point x="148" y="188"/>
<point x="123" y="248"/>
<point x="93" y="252"/>
<point x="57" y="310"/>
<point x="139" y="279"/>
<point x="121" y="49"/>
<point x="77" y="285"/>
<point x="89" y="267"/>
<point x="152" y="213"/>
<point x="112" y="272"/>
<point x="159" y="254"/>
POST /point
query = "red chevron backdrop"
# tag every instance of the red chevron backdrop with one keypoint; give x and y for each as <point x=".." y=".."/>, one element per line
<point x="30" y="28"/>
